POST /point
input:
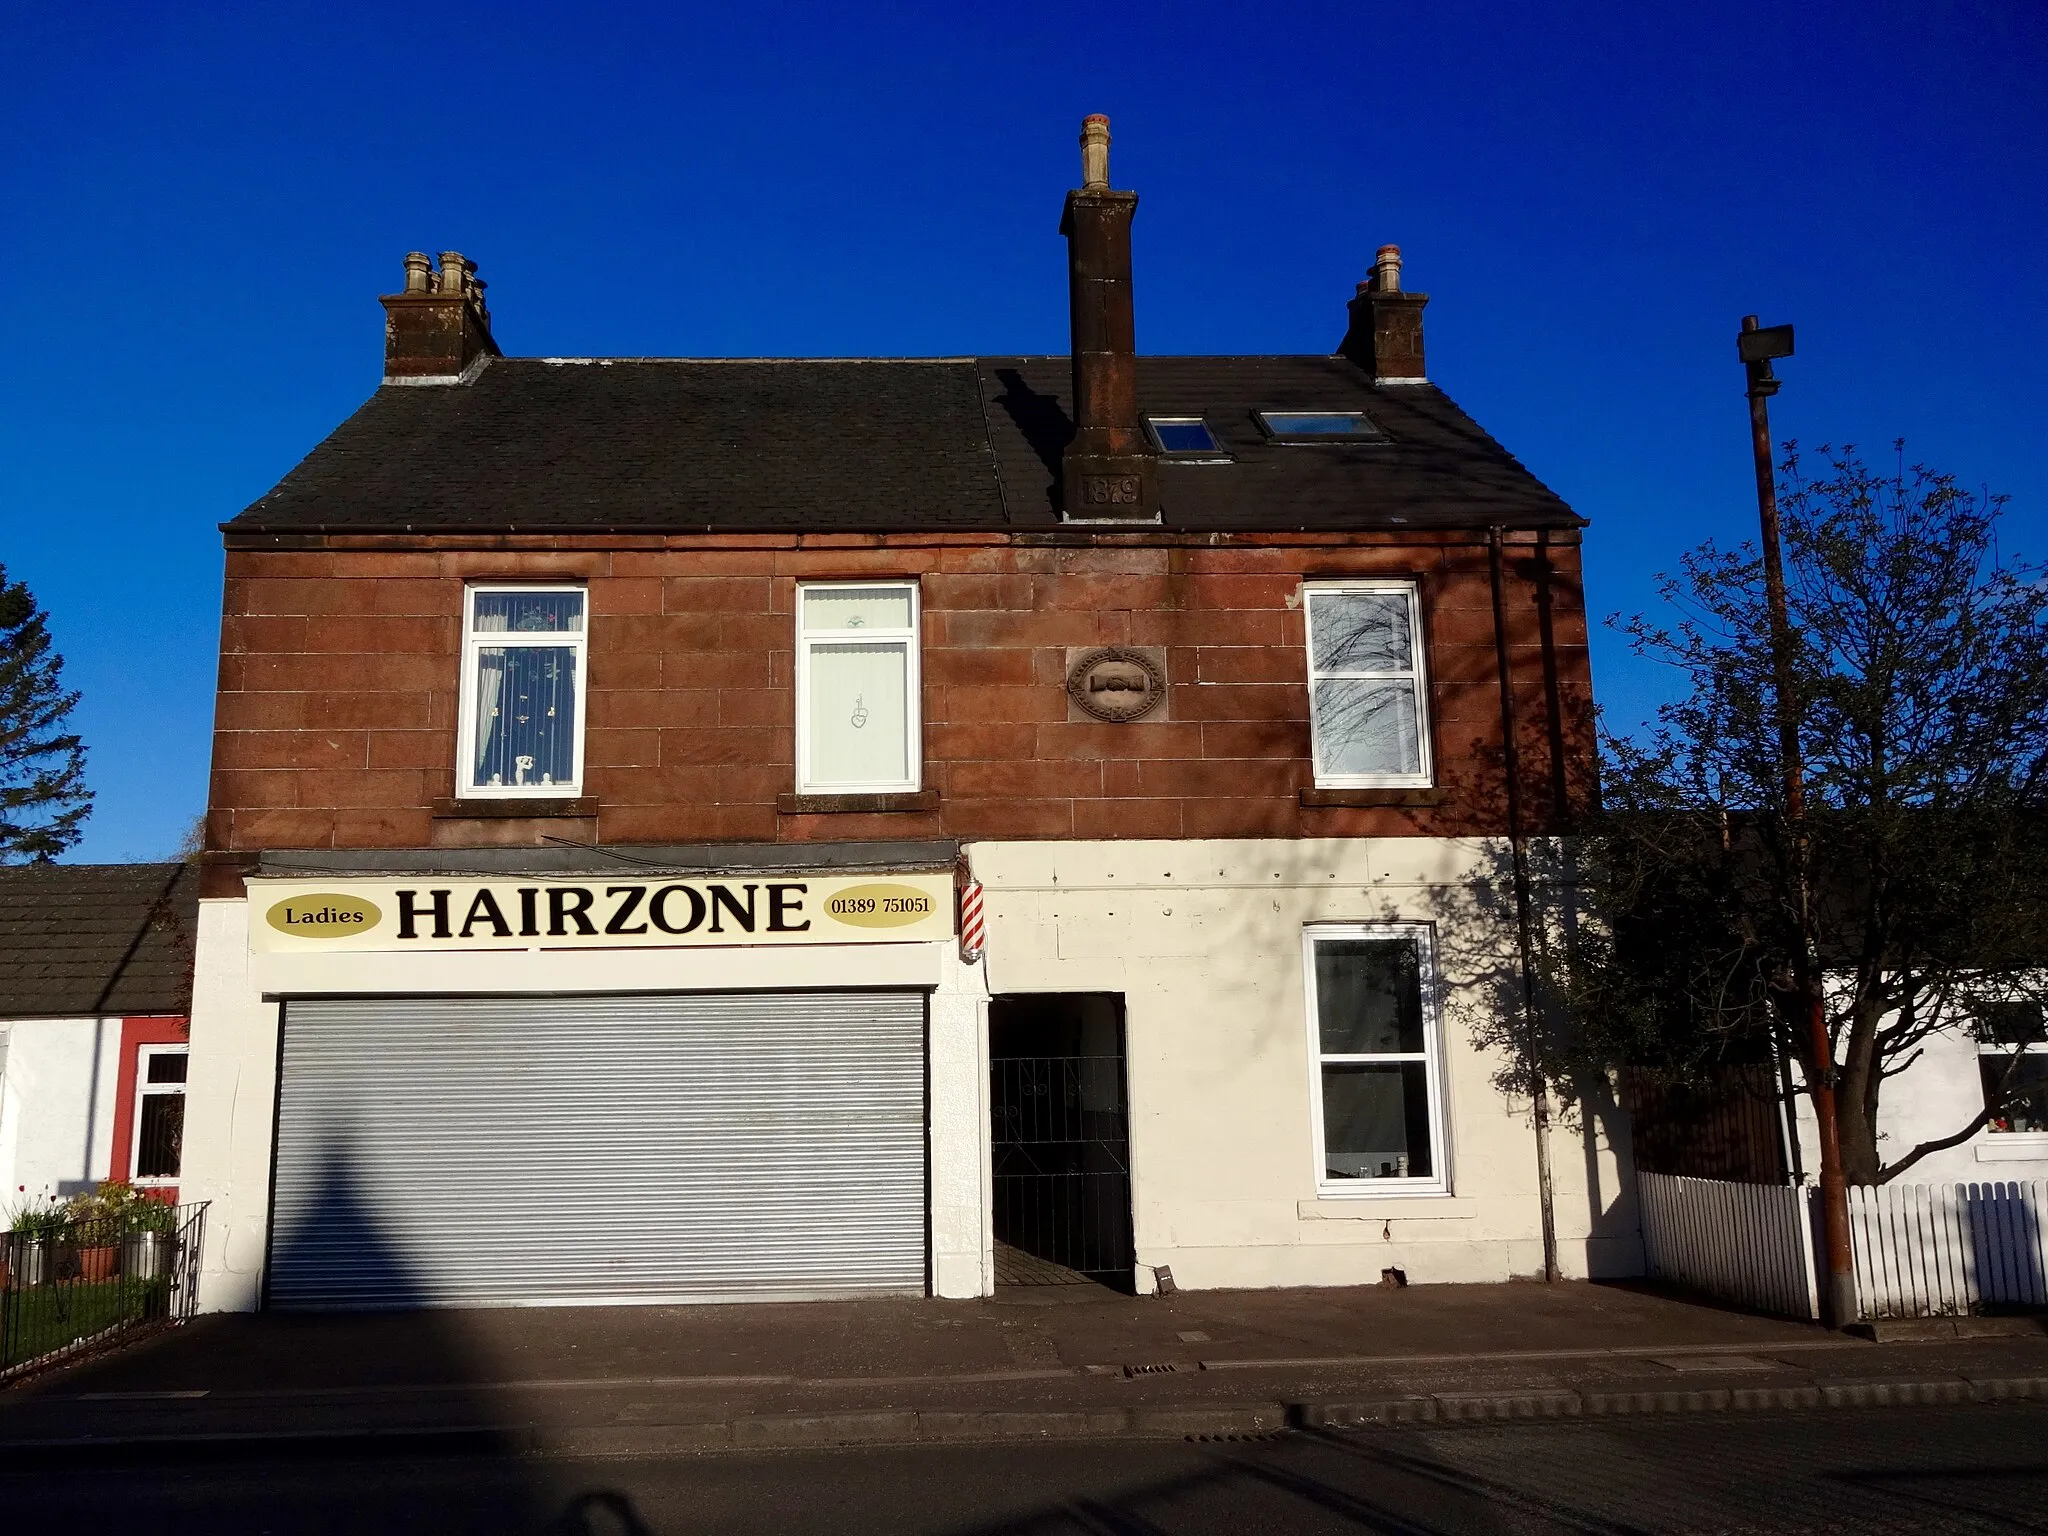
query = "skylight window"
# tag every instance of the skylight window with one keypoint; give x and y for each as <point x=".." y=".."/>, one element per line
<point x="1182" y="434"/>
<point x="1320" y="426"/>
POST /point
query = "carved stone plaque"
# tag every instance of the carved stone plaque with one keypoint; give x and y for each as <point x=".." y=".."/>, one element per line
<point x="1115" y="683"/>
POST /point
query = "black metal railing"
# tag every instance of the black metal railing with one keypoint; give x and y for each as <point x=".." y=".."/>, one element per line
<point x="71" y="1285"/>
<point x="1062" y="1162"/>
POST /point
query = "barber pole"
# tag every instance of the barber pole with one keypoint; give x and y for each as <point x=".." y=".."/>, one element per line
<point x="972" y="935"/>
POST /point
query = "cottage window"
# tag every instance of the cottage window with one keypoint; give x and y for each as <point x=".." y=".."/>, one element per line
<point x="857" y="714"/>
<point x="1377" y="1087"/>
<point x="523" y="664"/>
<point x="1366" y="685"/>
<point x="2012" y="1056"/>
<point x="159" y="1114"/>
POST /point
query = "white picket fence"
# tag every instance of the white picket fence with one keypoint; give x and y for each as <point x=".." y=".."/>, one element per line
<point x="1921" y="1250"/>
<point x="1747" y="1243"/>
<point x="1936" y="1250"/>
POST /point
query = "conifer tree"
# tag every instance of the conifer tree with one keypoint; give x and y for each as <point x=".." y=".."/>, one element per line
<point x="43" y="798"/>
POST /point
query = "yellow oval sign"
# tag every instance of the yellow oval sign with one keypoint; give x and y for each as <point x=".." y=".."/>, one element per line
<point x="880" y="906"/>
<point x="323" y="916"/>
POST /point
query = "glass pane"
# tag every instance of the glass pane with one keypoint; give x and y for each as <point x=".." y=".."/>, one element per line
<point x="1368" y="996"/>
<point x="1376" y="1122"/>
<point x="2025" y="1093"/>
<point x="1319" y="424"/>
<point x="525" y="716"/>
<point x="160" y="1145"/>
<point x="1360" y="632"/>
<point x="856" y="608"/>
<point x="167" y="1067"/>
<point x="1183" y="436"/>
<point x="528" y="612"/>
<point x="2009" y="1023"/>
<point x="1366" y="726"/>
<point x="859" y="716"/>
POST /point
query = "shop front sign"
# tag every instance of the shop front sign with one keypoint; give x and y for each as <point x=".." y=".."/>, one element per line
<point x="423" y="912"/>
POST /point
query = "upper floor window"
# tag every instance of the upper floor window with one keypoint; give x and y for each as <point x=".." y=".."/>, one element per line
<point x="857" y="689"/>
<point x="2012" y="1055"/>
<point x="159" y="1147"/>
<point x="523" y="662"/>
<point x="1367" y="693"/>
<point x="1378" y="1084"/>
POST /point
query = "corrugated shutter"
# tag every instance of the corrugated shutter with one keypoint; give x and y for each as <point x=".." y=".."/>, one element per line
<point x="705" y="1146"/>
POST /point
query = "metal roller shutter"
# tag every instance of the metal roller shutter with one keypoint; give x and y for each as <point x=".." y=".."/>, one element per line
<point x="696" y="1147"/>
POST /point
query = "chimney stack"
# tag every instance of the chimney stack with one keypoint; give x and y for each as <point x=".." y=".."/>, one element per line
<point x="438" y="330"/>
<point x="1385" y="337"/>
<point x="1109" y="468"/>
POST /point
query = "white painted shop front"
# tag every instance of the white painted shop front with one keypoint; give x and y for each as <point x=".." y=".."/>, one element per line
<point x="566" y="1116"/>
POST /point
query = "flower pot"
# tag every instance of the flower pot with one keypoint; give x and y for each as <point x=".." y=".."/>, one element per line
<point x="30" y="1262"/>
<point x="145" y="1255"/>
<point x="98" y="1262"/>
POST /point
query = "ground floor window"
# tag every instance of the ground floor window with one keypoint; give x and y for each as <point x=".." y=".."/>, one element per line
<point x="2012" y="1057"/>
<point x="1378" y="1080"/>
<point x="159" y="1113"/>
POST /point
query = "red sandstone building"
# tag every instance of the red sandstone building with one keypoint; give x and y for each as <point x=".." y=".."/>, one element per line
<point x="601" y="742"/>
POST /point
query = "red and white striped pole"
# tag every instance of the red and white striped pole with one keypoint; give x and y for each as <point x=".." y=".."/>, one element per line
<point x="973" y="937"/>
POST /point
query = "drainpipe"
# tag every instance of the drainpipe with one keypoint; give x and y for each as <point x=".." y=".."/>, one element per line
<point x="1539" y="1093"/>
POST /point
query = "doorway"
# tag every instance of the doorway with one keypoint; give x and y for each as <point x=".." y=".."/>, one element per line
<point x="1060" y="1134"/>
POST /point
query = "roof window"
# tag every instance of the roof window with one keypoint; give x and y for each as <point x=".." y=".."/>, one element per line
<point x="1183" y="434"/>
<point x="1320" y="426"/>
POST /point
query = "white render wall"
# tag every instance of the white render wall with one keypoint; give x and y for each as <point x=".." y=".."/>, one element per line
<point x="57" y="1094"/>
<point x="231" y="1094"/>
<point x="1936" y="1097"/>
<point x="1204" y="940"/>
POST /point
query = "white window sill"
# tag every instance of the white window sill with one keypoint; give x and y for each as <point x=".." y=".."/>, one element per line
<point x="1423" y="1205"/>
<point x="2014" y="1147"/>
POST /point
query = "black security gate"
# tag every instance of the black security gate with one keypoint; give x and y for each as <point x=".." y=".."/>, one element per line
<point x="1059" y="1132"/>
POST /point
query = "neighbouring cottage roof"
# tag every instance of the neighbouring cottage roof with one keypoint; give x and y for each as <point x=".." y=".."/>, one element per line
<point x="83" y="940"/>
<point x="877" y="445"/>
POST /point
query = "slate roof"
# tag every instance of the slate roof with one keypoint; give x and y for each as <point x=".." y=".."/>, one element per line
<point x="875" y="445"/>
<point x="86" y="940"/>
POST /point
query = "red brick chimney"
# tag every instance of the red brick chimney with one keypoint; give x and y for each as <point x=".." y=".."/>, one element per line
<point x="437" y="331"/>
<point x="1109" y="467"/>
<point x="1385" y="337"/>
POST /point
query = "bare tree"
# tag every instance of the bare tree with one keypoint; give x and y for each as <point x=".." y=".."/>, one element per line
<point x="1923" y="671"/>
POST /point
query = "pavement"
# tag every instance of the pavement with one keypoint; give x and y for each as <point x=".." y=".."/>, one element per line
<point x="1032" y="1363"/>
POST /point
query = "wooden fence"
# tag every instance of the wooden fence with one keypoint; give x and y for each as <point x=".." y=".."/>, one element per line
<point x="1746" y="1243"/>
<point x="1921" y="1250"/>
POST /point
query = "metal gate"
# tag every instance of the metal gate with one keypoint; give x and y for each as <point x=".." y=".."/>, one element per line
<point x="692" y="1147"/>
<point x="1059" y="1133"/>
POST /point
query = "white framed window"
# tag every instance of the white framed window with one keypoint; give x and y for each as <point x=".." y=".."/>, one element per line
<point x="523" y="666"/>
<point x="2012" y="1058"/>
<point x="858" y="727"/>
<point x="1368" y="697"/>
<point x="1376" y="1087"/>
<point x="158" y="1151"/>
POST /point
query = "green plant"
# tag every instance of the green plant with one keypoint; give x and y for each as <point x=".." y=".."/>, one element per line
<point x="112" y="1210"/>
<point x="37" y="1221"/>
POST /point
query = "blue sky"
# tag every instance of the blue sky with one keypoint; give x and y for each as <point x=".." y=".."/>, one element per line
<point x="201" y="205"/>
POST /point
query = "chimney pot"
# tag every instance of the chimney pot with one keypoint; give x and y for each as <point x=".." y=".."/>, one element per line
<point x="419" y="272"/>
<point x="1387" y="269"/>
<point x="455" y="272"/>
<point x="1095" y="152"/>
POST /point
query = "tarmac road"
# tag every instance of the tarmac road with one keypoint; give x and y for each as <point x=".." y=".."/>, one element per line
<point x="1920" y="1470"/>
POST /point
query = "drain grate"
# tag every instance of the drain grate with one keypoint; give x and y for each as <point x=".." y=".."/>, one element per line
<point x="1164" y="1368"/>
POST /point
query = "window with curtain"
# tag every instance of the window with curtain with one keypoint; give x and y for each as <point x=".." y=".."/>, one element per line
<point x="1368" y="699"/>
<point x="1378" y="1084"/>
<point x="857" y="726"/>
<point x="522" y="692"/>
<point x="2012" y="1057"/>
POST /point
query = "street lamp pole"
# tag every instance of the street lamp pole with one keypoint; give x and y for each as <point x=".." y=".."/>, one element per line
<point x="1756" y="347"/>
